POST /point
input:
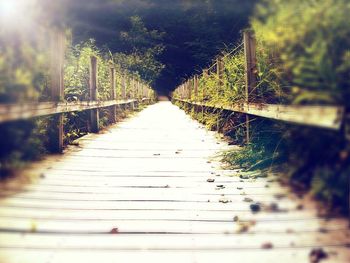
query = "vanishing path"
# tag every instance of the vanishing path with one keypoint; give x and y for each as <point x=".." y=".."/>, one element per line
<point x="139" y="193"/>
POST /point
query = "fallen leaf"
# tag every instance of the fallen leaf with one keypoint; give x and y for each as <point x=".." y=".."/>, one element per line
<point x="300" y="207"/>
<point x="317" y="254"/>
<point x="267" y="245"/>
<point x="255" y="207"/>
<point x="247" y="199"/>
<point x="279" y="196"/>
<point x="245" y="226"/>
<point x="33" y="227"/>
<point x="114" y="231"/>
<point x="224" y="200"/>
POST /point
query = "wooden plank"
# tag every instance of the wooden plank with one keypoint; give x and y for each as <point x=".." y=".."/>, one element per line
<point x="330" y="117"/>
<point x="12" y="112"/>
<point x="299" y="255"/>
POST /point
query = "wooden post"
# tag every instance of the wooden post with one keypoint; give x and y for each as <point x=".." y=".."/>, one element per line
<point x="139" y="90"/>
<point x="220" y="71"/>
<point x="57" y="84"/>
<point x="183" y="96"/>
<point x="94" y="113"/>
<point x="132" y="88"/>
<point x="250" y="70"/>
<point x="189" y="89"/>
<point x="205" y="75"/>
<point x="143" y="90"/>
<point x="113" y="112"/>
<point x="195" y="86"/>
<point x="123" y="86"/>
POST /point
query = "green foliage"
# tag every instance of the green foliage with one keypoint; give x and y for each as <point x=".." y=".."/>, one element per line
<point x="21" y="141"/>
<point x="23" y="63"/>
<point x="77" y="68"/>
<point x="144" y="48"/>
<point x="310" y="40"/>
<point x="305" y="45"/>
<point x="244" y="157"/>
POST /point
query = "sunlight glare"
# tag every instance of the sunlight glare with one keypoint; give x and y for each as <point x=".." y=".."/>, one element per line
<point x="8" y="8"/>
<point x="17" y="14"/>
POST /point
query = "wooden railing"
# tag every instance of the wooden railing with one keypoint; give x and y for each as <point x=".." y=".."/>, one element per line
<point x="329" y="117"/>
<point x="138" y="92"/>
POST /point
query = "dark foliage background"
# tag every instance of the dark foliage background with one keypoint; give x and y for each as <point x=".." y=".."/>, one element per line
<point x="194" y="30"/>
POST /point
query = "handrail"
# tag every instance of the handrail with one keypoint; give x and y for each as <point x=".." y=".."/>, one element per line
<point x="329" y="117"/>
<point x="13" y="112"/>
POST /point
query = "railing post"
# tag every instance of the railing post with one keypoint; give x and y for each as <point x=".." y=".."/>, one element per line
<point x="205" y="75"/>
<point x="139" y="90"/>
<point x="113" y="112"/>
<point x="184" y="91"/>
<point x="123" y="92"/>
<point x="220" y="71"/>
<point x="94" y="113"/>
<point x="132" y="88"/>
<point x="144" y="91"/>
<point x="57" y="84"/>
<point x="195" y="86"/>
<point x="250" y="70"/>
<point x="189" y="89"/>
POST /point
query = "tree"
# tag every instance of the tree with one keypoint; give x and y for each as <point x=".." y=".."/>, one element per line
<point x="143" y="49"/>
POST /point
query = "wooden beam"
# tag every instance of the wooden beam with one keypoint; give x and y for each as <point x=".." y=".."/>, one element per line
<point x="13" y="112"/>
<point x="329" y="117"/>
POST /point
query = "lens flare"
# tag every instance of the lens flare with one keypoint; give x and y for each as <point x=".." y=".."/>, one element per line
<point x="8" y="8"/>
<point x="17" y="14"/>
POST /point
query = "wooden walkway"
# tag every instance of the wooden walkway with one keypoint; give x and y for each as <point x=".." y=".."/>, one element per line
<point x="140" y="193"/>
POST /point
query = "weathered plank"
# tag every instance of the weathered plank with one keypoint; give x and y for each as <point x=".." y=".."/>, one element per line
<point x="12" y="112"/>
<point x="330" y="117"/>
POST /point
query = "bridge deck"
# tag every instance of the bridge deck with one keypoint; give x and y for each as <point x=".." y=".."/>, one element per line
<point x="139" y="193"/>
